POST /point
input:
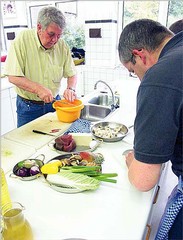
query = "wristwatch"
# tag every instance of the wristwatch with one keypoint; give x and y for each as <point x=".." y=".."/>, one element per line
<point x="71" y="89"/>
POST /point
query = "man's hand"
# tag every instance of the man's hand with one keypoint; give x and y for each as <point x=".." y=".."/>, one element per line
<point x="70" y="95"/>
<point x="45" y="94"/>
<point x="129" y="158"/>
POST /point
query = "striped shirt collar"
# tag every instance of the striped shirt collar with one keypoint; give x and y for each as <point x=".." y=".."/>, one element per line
<point x="39" y="45"/>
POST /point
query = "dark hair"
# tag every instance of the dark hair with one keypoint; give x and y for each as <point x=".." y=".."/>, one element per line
<point x="142" y="33"/>
<point x="177" y="26"/>
<point x="49" y="15"/>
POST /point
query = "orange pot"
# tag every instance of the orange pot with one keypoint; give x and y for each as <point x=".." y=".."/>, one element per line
<point x="68" y="111"/>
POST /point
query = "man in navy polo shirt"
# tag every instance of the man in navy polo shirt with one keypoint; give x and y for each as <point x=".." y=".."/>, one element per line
<point x="154" y="54"/>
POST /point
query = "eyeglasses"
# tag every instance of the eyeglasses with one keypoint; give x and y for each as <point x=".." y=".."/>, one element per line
<point x="132" y="74"/>
<point x="53" y="35"/>
<point x="132" y="59"/>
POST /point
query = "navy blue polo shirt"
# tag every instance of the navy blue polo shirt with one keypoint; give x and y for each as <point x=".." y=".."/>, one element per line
<point x="159" y="119"/>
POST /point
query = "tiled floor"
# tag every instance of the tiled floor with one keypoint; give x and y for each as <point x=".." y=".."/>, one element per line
<point x="168" y="183"/>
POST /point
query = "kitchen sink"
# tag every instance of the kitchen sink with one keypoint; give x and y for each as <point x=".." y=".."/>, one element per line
<point x="103" y="100"/>
<point x="100" y="100"/>
<point x="99" y="105"/>
<point x="95" y="113"/>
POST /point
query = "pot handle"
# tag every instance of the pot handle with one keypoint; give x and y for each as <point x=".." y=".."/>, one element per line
<point x="98" y="142"/>
<point x="51" y="145"/>
<point x="42" y="156"/>
<point x="12" y="175"/>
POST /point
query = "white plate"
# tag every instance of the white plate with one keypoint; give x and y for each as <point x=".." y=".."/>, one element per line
<point x="65" y="189"/>
<point x="62" y="188"/>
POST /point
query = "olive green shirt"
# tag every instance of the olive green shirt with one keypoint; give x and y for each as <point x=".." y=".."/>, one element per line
<point x="28" y="58"/>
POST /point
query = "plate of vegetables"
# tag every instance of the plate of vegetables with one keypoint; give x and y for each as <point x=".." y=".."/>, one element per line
<point x="28" y="169"/>
<point x="77" y="172"/>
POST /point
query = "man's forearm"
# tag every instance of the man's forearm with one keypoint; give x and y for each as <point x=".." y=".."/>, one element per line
<point x="25" y="84"/>
<point x="71" y="82"/>
<point x="42" y="92"/>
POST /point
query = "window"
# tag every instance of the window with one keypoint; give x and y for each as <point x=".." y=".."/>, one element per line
<point x="68" y="8"/>
<point x="74" y="31"/>
<point x="174" y="11"/>
<point x="134" y="10"/>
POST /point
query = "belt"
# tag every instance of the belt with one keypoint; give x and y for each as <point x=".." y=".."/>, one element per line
<point x="32" y="101"/>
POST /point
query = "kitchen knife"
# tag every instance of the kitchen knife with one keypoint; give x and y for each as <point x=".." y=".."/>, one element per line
<point x="44" y="133"/>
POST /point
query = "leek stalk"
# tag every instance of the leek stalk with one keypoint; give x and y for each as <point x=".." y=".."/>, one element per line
<point x="91" y="171"/>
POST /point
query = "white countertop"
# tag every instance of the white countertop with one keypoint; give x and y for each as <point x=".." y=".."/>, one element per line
<point x="114" y="211"/>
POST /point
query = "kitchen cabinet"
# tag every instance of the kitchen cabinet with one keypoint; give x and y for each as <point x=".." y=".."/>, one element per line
<point x="7" y="113"/>
<point x="13" y="98"/>
<point x="8" y="106"/>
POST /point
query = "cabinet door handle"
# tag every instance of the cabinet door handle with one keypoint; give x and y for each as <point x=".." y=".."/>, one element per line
<point x="157" y="194"/>
<point x="148" y="232"/>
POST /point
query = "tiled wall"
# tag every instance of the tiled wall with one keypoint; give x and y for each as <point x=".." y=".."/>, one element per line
<point x="101" y="56"/>
<point x="89" y="75"/>
<point x="112" y="76"/>
<point x="102" y="50"/>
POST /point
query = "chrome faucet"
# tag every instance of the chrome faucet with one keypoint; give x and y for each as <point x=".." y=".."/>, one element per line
<point x="113" y="98"/>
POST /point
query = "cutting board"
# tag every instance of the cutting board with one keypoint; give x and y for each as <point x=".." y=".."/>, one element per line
<point x="46" y="123"/>
<point x="13" y="152"/>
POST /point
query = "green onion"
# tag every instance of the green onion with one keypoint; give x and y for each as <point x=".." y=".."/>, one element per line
<point x="91" y="171"/>
<point x="106" y="179"/>
<point x="82" y="168"/>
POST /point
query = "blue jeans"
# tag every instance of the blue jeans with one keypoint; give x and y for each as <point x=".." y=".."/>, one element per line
<point x="28" y="111"/>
